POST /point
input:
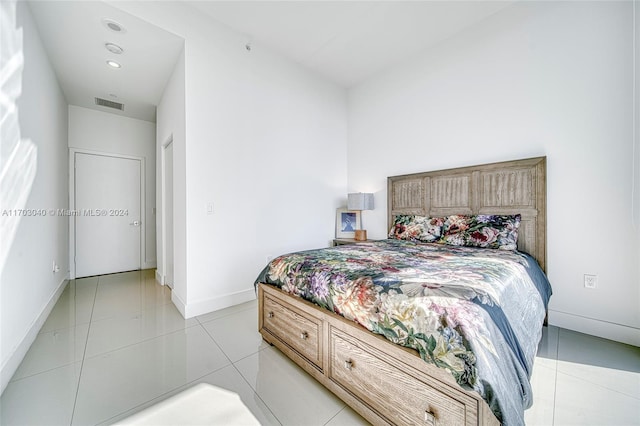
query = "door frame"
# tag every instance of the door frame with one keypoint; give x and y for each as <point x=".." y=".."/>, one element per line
<point x="163" y="245"/>
<point x="72" y="204"/>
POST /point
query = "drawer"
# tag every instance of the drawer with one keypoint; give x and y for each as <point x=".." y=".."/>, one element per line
<point x="298" y="330"/>
<point x="378" y="383"/>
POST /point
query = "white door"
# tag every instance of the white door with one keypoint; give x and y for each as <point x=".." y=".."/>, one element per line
<point x="168" y="214"/>
<point x="107" y="208"/>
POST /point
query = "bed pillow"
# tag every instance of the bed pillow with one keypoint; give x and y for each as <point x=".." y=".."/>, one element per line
<point x="488" y="231"/>
<point x="416" y="228"/>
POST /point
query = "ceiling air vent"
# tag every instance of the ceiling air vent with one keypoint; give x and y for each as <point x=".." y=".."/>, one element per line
<point x="109" y="104"/>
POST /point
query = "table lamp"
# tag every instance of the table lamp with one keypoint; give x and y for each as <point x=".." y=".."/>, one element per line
<point x="360" y="201"/>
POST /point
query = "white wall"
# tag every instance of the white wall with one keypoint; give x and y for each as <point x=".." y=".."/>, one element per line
<point x="635" y="211"/>
<point x="28" y="286"/>
<point x="99" y="131"/>
<point x="539" y="78"/>
<point x="171" y="127"/>
<point x="265" y="142"/>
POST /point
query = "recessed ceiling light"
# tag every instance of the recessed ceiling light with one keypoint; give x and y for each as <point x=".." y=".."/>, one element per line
<point x="113" y="64"/>
<point x="114" y="26"/>
<point x="113" y="48"/>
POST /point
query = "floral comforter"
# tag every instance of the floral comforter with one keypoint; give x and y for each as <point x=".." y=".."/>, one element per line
<point x="477" y="313"/>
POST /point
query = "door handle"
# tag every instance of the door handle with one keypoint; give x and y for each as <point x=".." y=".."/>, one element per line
<point x="136" y="223"/>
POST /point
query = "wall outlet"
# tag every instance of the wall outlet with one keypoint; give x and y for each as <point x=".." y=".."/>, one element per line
<point x="590" y="281"/>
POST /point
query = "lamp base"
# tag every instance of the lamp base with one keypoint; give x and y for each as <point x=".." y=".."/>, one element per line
<point x="361" y="235"/>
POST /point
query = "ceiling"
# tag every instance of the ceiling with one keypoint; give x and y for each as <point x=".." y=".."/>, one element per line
<point x="345" y="41"/>
<point x="348" y="41"/>
<point x="74" y="36"/>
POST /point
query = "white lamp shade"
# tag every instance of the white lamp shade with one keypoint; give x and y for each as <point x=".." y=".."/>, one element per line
<point x="360" y="201"/>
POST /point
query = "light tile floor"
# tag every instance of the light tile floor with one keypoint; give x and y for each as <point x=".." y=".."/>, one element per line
<point x="115" y="344"/>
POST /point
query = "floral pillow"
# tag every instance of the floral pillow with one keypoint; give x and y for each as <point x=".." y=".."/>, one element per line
<point x="416" y="228"/>
<point x="488" y="231"/>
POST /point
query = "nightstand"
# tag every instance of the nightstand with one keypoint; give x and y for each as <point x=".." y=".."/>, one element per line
<point x="344" y="241"/>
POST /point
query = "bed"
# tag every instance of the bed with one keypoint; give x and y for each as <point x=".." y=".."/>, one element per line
<point x="422" y="328"/>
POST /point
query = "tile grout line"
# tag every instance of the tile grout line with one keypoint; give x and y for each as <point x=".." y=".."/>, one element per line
<point x="84" y="355"/>
<point x="88" y="324"/>
<point x="43" y="372"/>
<point x="216" y="343"/>
<point x="195" y="381"/>
<point x="140" y="342"/>
<point x="134" y="343"/>
<point x="587" y="379"/>
<point x="254" y="391"/>
<point x="160" y="398"/>
<point x="555" y="381"/>
<point x="223" y="316"/>
<point x="84" y="352"/>
<point x="238" y="371"/>
<point x="138" y="312"/>
<point x="336" y="415"/>
<point x="251" y="354"/>
<point x="169" y="392"/>
<point x="594" y="384"/>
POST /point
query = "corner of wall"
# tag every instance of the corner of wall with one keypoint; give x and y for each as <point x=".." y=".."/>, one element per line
<point x="201" y="307"/>
<point x="179" y="304"/>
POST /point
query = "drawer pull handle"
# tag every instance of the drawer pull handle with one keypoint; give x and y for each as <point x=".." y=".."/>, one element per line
<point x="348" y="364"/>
<point x="430" y="418"/>
<point x="304" y="335"/>
<point x="270" y="315"/>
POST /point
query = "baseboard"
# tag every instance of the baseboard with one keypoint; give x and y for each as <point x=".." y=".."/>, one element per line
<point x="17" y="355"/>
<point x="179" y="304"/>
<point x="607" y="330"/>
<point x="224" y="301"/>
<point x="159" y="278"/>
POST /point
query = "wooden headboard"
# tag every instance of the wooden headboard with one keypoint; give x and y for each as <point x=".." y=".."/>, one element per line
<point x="508" y="187"/>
